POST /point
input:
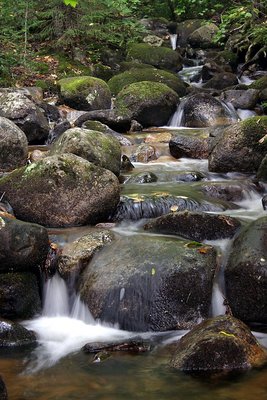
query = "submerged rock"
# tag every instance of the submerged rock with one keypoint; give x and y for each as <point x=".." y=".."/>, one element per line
<point x="130" y="346"/>
<point x="218" y="346"/>
<point x="13" y="334"/>
<point x="62" y="190"/>
<point x="190" y="147"/>
<point x="19" y="296"/>
<point x="23" y="246"/>
<point x="195" y="226"/>
<point x="241" y="147"/>
<point x="13" y="146"/>
<point x="150" y="283"/>
<point x="98" y="148"/>
<point x="246" y="273"/>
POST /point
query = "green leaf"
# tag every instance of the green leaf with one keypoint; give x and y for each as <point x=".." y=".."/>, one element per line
<point x="72" y="3"/>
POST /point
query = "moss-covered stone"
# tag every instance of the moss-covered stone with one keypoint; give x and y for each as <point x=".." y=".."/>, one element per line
<point x="259" y="84"/>
<point x="93" y="146"/>
<point x="159" y="57"/>
<point x="85" y="93"/>
<point x="118" y="82"/>
<point x="262" y="171"/>
<point x="150" y="103"/>
<point x="203" y="36"/>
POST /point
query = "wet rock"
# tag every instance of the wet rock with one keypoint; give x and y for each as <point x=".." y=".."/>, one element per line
<point x="149" y="283"/>
<point x="28" y="116"/>
<point x="13" y="146"/>
<point x="94" y="146"/>
<point x="19" y="296"/>
<point x="51" y="112"/>
<point x="152" y="206"/>
<point x="63" y="190"/>
<point x="218" y="346"/>
<point x="142" y="177"/>
<point x="114" y="119"/>
<point x="209" y="70"/>
<point x="229" y="191"/>
<point x="201" y="110"/>
<point x="13" y="334"/>
<point x="135" y="126"/>
<point x="3" y="391"/>
<point x="264" y="202"/>
<point x="23" y="246"/>
<point x="75" y="256"/>
<point x="85" y="93"/>
<point x="145" y="153"/>
<point x="262" y="171"/>
<point x="159" y="57"/>
<point x="246" y="272"/>
<point x="98" y="126"/>
<point x="129" y="346"/>
<point x="126" y="164"/>
<point x="221" y="81"/>
<point x="185" y="28"/>
<point x="203" y="36"/>
<point x="150" y="103"/>
<point x="58" y="129"/>
<point x="244" y="99"/>
<point x="241" y="147"/>
<point x="37" y="155"/>
<point x="190" y="147"/>
<point x="195" y="226"/>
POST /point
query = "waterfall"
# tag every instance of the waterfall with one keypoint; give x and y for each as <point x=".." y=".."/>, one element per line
<point x="177" y="118"/>
<point x="173" y="39"/>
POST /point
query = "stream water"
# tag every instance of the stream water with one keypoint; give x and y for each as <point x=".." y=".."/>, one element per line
<point x="57" y="369"/>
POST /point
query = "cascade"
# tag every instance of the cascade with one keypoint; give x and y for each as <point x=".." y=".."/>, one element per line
<point x="173" y="39"/>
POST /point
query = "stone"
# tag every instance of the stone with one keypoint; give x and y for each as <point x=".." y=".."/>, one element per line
<point x="13" y="334"/>
<point x="244" y="99"/>
<point x="190" y="147"/>
<point x="203" y="36"/>
<point x="60" y="191"/>
<point x="13" y="146"/>
<point x="217" y="347"/>
<point x="221" y="81"/>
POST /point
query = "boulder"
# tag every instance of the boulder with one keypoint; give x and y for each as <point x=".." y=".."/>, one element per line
<point x="202" y="110"/>
<point x="13" y="146"/>
<point x="246" y="272"/>
<point x="26" y="114"/>
<point x="98" y="126"/>
<point x="159" y="57"/>
<point x="142" y="177"/>
<point x="241" y="147"/>
<point x="76" y="255"/>
<point x="114" y="119"/>
<point x="259" y="84"/>
<point x="262" y="171"/>
<point x="19" y="296"/>
<point x="145" y="153"/>
<point x="221" y="81"/>
<point x="229" y="191"/>
<point x="195" y="225"/>
<point x="23" y="246"/>
<point x="94" y="146"/>
<point x="118" y="82"/>
<point x="13" y="334"/>
<point x="244" y="99"/>
<point x="203" y="36"/>
<point x="149" y="283"/>
<point x="150" y="103"/>
<point x="85" y="93"/>
<point x="190" y="147"/>
<point x="62" y="190"/>
<point x="185" y="28"/>
<point x="218" y="346"/>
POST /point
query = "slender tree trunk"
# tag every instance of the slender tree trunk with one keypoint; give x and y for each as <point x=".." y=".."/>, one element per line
<point x="25" y="32"/>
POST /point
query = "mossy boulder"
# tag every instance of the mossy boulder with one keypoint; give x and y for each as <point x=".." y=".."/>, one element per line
<point x="85" y="93"/>
<point x="13" y="146"/>
<point x="23" y="246"/>
<point x="62" y="190"/>
<point x="241" y="147"/>
<point x="218" y="346"/>
<point x="94" y="146"/>
<point x="149" y="283"/>
<point x="246" y="273"/>
<point x="98" y="126"/>
<point x="150" y="103"/>
<point x="19" y="296"/>
<point x="185" y="28"/>
<point x="259" y="84"/>
<point x="13" y="334"/>
<point x="203" y="36"/>
<point x="159" y="57"/>
<point x="221" y="81"/>
<point x="118" y="82"/>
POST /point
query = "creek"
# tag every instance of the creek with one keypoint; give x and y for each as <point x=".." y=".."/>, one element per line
<point x="58" y="370"/>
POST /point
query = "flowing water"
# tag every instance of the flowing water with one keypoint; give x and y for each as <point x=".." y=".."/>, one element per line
<point x="57" y="368"/>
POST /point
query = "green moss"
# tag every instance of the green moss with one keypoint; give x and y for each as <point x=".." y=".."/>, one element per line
<point x="259" y="84"/>
<point x="255" y="124"/>
<point x="160" y="57"/>
<point x="118" y="82"/>
<point x="126" y="65"/>
<point x="143" y="91"/>
<point x="75" y="85"/>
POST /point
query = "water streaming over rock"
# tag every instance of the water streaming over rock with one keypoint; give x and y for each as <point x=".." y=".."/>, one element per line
<point x="173" y="39"/>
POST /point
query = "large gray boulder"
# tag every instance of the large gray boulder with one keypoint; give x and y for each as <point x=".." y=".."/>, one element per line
<point x="203" y="36"/>
<point x="19" y="296"/>
<point x="23" y="246"/>
<point x="202" y="110"/>
<point x="26" y="114"/>
<point x="13" y="334"/>
<point x="241" y="147"/>
<point x="98" y="148"/>
<point x="244" y="99"/>
<point x="246" y="273"/>
<point x="13" y="146"/>
<point x="150" y="283"/>
<point x="221" y="81"/>
<point x="218" y="347"/>
<point x="62" y="190"/>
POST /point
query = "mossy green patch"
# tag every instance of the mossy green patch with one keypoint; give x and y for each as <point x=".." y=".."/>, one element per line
<point x="259" y="84"/>
<point x="76" y="85"/>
